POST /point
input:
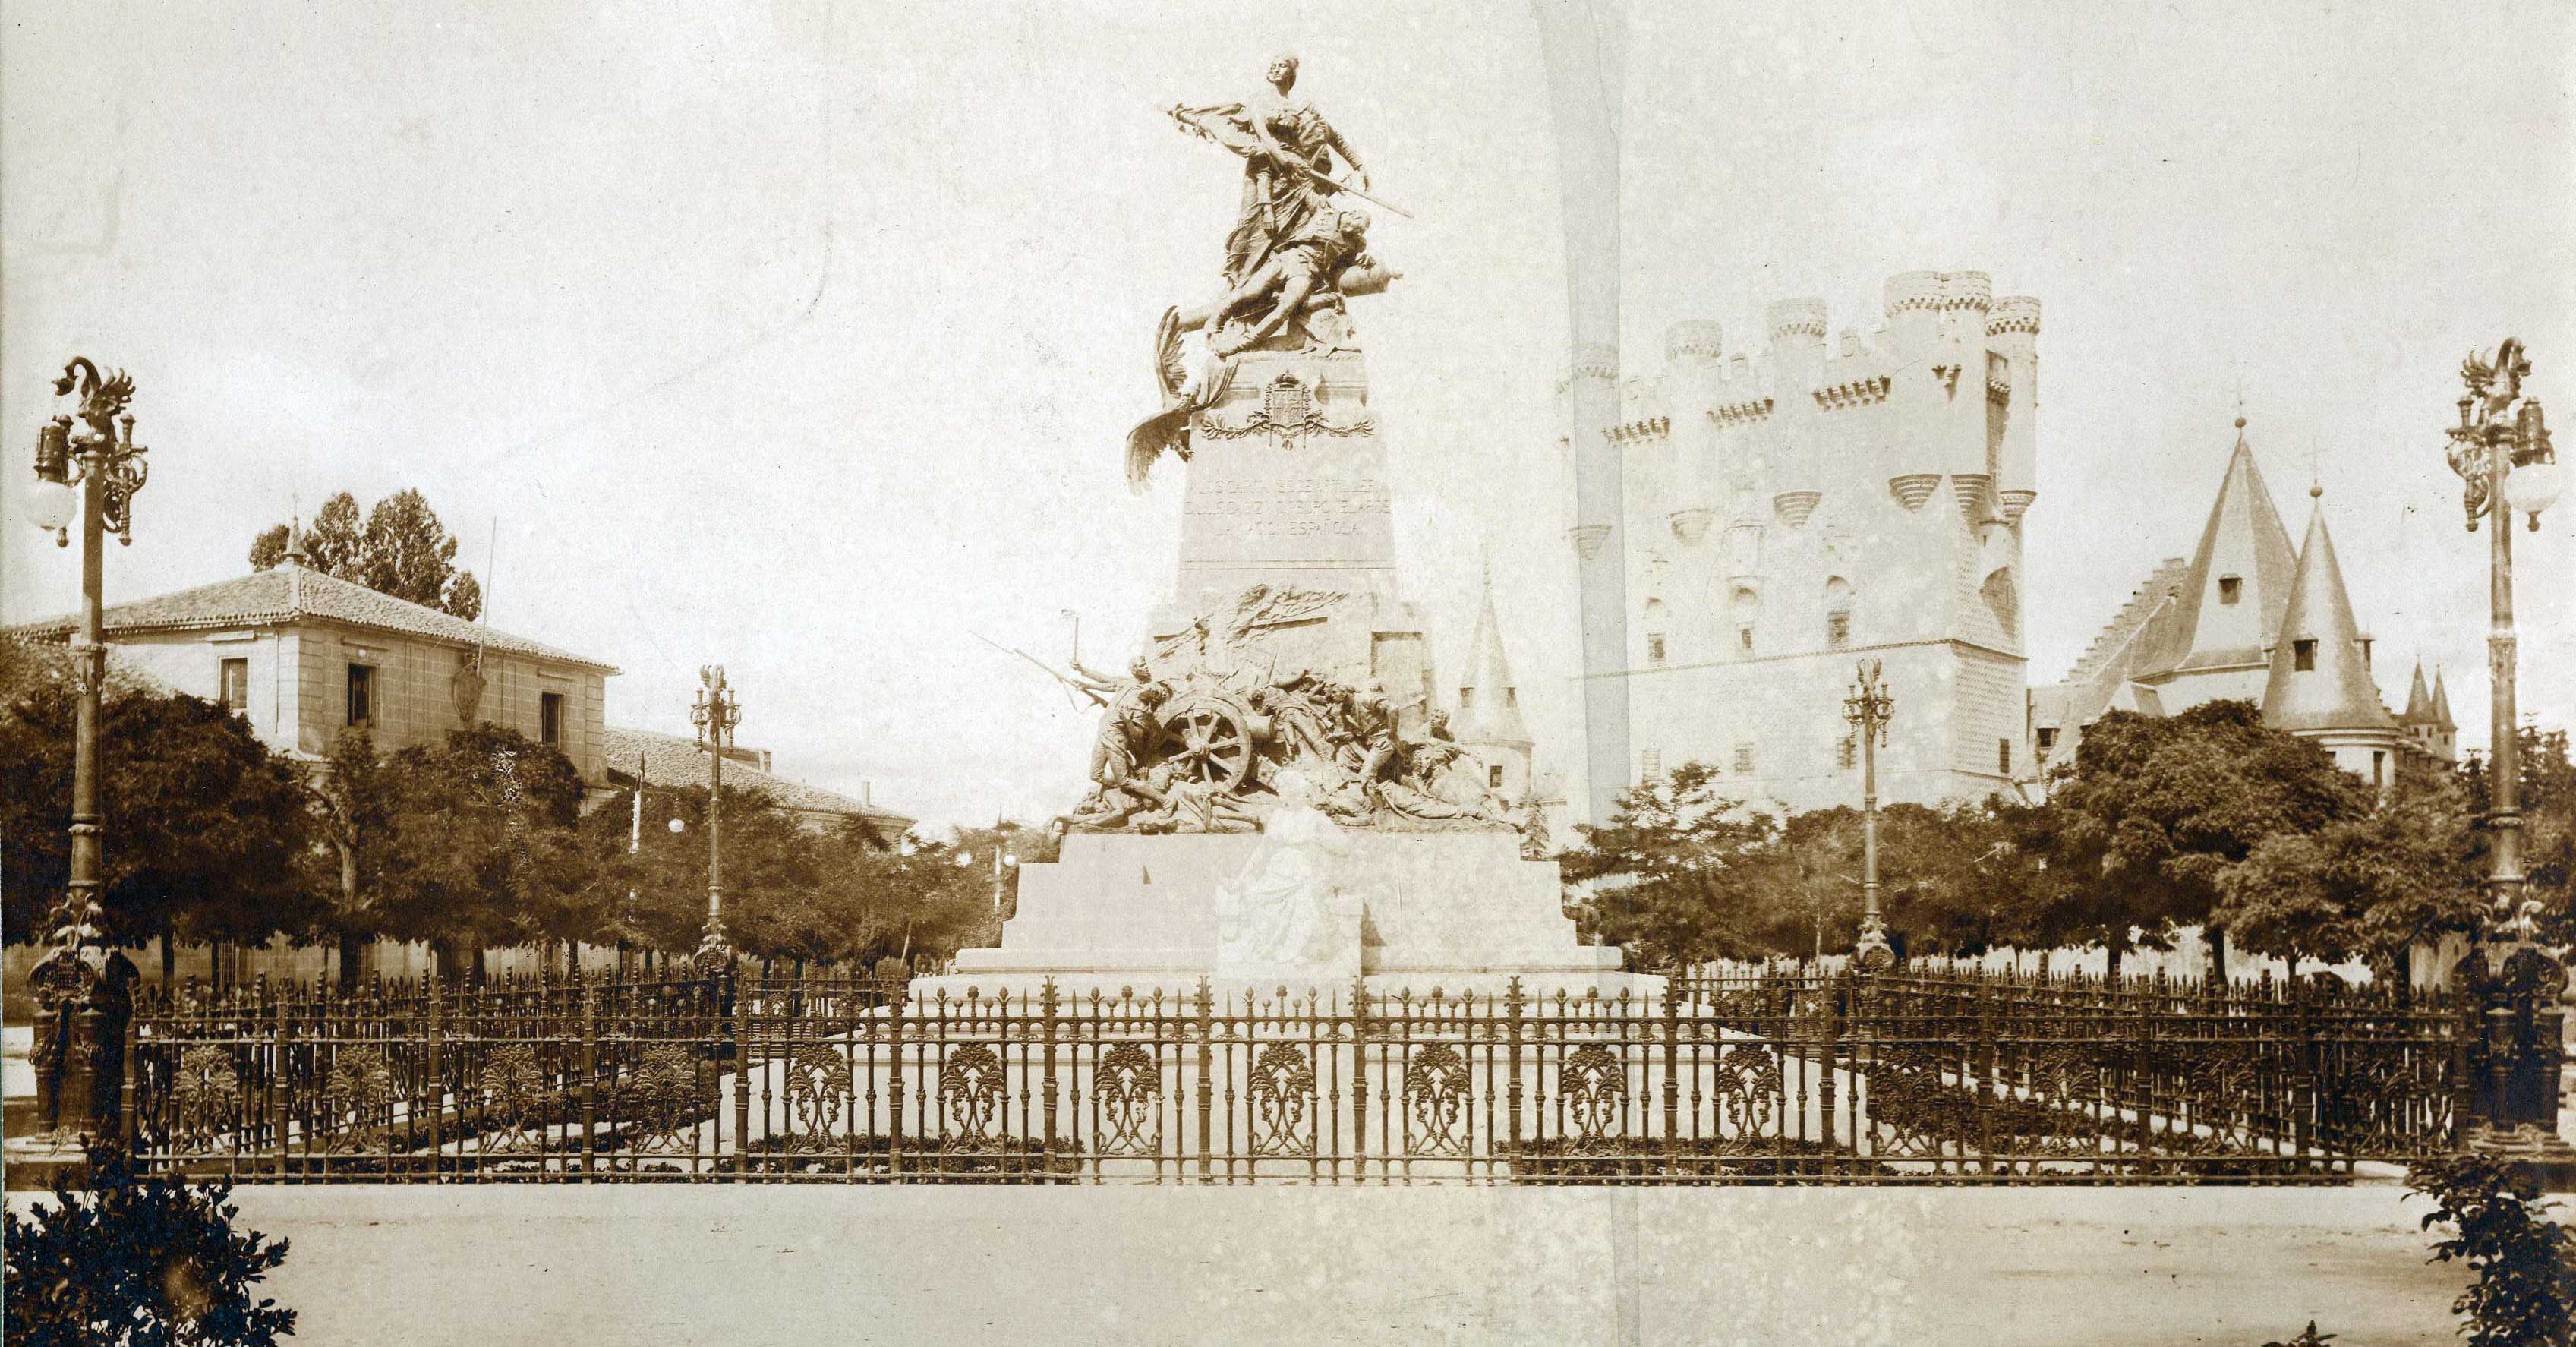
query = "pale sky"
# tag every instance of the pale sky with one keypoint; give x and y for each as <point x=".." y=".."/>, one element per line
<point x="801" y="337"/>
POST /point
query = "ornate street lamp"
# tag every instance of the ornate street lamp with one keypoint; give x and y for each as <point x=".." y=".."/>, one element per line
<point x="1867" y="709"/>
<point x="715" y="715"/>
<point x="83" y="989"/>
<point x="2501" y="450"/>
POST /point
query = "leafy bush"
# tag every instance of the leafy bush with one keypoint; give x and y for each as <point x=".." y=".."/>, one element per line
<point x="141" y="1260"/>
<point x="2525" y="1264"/>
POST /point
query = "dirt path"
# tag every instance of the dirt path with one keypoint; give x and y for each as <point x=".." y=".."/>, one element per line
<point x="491" y="1265"/>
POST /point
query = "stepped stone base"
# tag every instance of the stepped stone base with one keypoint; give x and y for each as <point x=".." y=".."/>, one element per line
<point x="1459" y="912"/>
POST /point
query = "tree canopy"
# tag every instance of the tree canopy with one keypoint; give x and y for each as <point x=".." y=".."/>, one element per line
<point x="2169" y="803"/>
<point x="402" y="549"/>
<point x="205" y="827"/>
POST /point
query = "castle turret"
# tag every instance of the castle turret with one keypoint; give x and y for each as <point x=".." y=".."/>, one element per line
<point x="1915" y="397"/>
<point x="2012" y="335"/>
<point x="1967" y="298"/>
<point x="2427" y="719"/>
<point x="2320" y="686"/>
<point x="1797" y="329"/>
<point x="1694" y="385"/>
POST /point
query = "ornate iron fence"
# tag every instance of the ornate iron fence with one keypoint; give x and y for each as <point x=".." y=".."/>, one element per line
<point x="1746" y="1076"/>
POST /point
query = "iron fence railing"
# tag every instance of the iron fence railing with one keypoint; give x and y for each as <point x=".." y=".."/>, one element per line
<point x="1741" y="1076"/>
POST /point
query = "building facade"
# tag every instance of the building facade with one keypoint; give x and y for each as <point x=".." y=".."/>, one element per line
<point x="303" y="656"/>
<point x="672" y="762"/>
<point x="2249" y="617"/>
<point x="1795" y="509"/>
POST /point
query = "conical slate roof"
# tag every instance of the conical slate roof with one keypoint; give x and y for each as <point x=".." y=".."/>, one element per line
<point x="2337" y="692"/>
<point x="2442" y="703"/>
<point x="2244" y="539"/>
<point x="2419" y="700"/>
<point x="1489" y="710"/>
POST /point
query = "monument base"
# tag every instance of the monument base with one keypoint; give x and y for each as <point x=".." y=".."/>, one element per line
<point x="1457" y="912"/>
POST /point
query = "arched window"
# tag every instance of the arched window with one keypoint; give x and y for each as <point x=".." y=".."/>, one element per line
<point x="1838" y="606"/>
<point x="2003" y="600"/>
<point x="1747" y="609"/>
<point x="1655" y="618"/>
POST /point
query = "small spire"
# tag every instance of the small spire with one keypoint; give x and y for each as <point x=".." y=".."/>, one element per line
<point x="2334" y="691"/>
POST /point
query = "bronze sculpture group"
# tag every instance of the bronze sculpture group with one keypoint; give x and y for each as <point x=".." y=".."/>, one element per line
<point x="1197" y="752"/>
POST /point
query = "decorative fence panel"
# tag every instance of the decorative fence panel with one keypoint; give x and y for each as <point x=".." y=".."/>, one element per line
<point x="1741" y="1076"/>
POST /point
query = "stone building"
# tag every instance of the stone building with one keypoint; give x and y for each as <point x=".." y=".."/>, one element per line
<point x="2247" y="617"/>
<point x="1794" y="509"/>
<point x="303" y="656"/>
<point x="672" y="761"/>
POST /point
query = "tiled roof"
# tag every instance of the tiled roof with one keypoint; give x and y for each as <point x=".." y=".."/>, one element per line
<point x="291" y="593"/>
<point x="2337" y="693"/>
<point x="2244" y="539"/>
<point x="671" y="761"/>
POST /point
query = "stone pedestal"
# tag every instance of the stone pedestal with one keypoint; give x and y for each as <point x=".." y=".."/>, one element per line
<point x="1457" y="911"/>
<point x="1287" y="490"/>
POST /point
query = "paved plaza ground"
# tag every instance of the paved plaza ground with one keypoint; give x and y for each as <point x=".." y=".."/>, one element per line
<point x="491" y="1265"/>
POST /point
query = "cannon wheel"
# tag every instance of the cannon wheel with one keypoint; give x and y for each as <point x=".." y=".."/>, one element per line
<point x="1210" y="737"/>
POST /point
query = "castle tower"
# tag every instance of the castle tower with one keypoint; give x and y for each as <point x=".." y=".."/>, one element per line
<point x="1793" y="509"/>
<point x="2427" y="720"/>
<point x="2320" y="685"/>
<point x="1489" y="721"/>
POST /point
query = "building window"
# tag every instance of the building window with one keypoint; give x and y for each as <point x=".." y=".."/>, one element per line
<point x="2230" y="588"/>
<point x="1747" y="608"/>
<point x="2303" y="655"/>
<point x="1494" y="776"/>
<point x="2047" y="740"/>
<point x="550" y="718"/>
<point x="1466" y="699"/>
<point x="236" y="683"/>
<point x="2003" y="756"/>
<point x="1744" y="759"/>
<point x="1654" y="647"/>
<point x="2378" y="768"/>
<point x="1744" y="638"/>
<point x="362" y="694"/>
<point x="1838" y="599"/>
<point x="1650" y="766"/>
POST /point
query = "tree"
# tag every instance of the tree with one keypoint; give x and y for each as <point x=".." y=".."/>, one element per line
<point x="2548" y="806"/>
<point x="352" y="803"/>
<point x="403" y="550"/>
<point x="2169" y="803"/>
<point x="2366" y="886"/>
<point x="131" y="1258"/>
<point x="205" y="826"/>
<point x="1677" y="872"/>
<point x="482" y="848"/>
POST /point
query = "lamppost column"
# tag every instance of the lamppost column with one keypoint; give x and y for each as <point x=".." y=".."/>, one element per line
<point x="715" y="715"/>
<point x="2504" y="783"/>
<point x="2502" y="452"/>
<point x="81" y="987"/>
<point x="1867" y="709"/>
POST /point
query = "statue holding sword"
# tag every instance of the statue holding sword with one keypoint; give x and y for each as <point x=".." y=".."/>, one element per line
<point x="1288" y="150"/>
<point x="1298" y="249"/>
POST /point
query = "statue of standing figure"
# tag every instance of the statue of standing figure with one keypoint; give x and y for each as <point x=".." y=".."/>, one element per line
<point x="1296" y="250"/>
<point x="1287" y="149"/>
